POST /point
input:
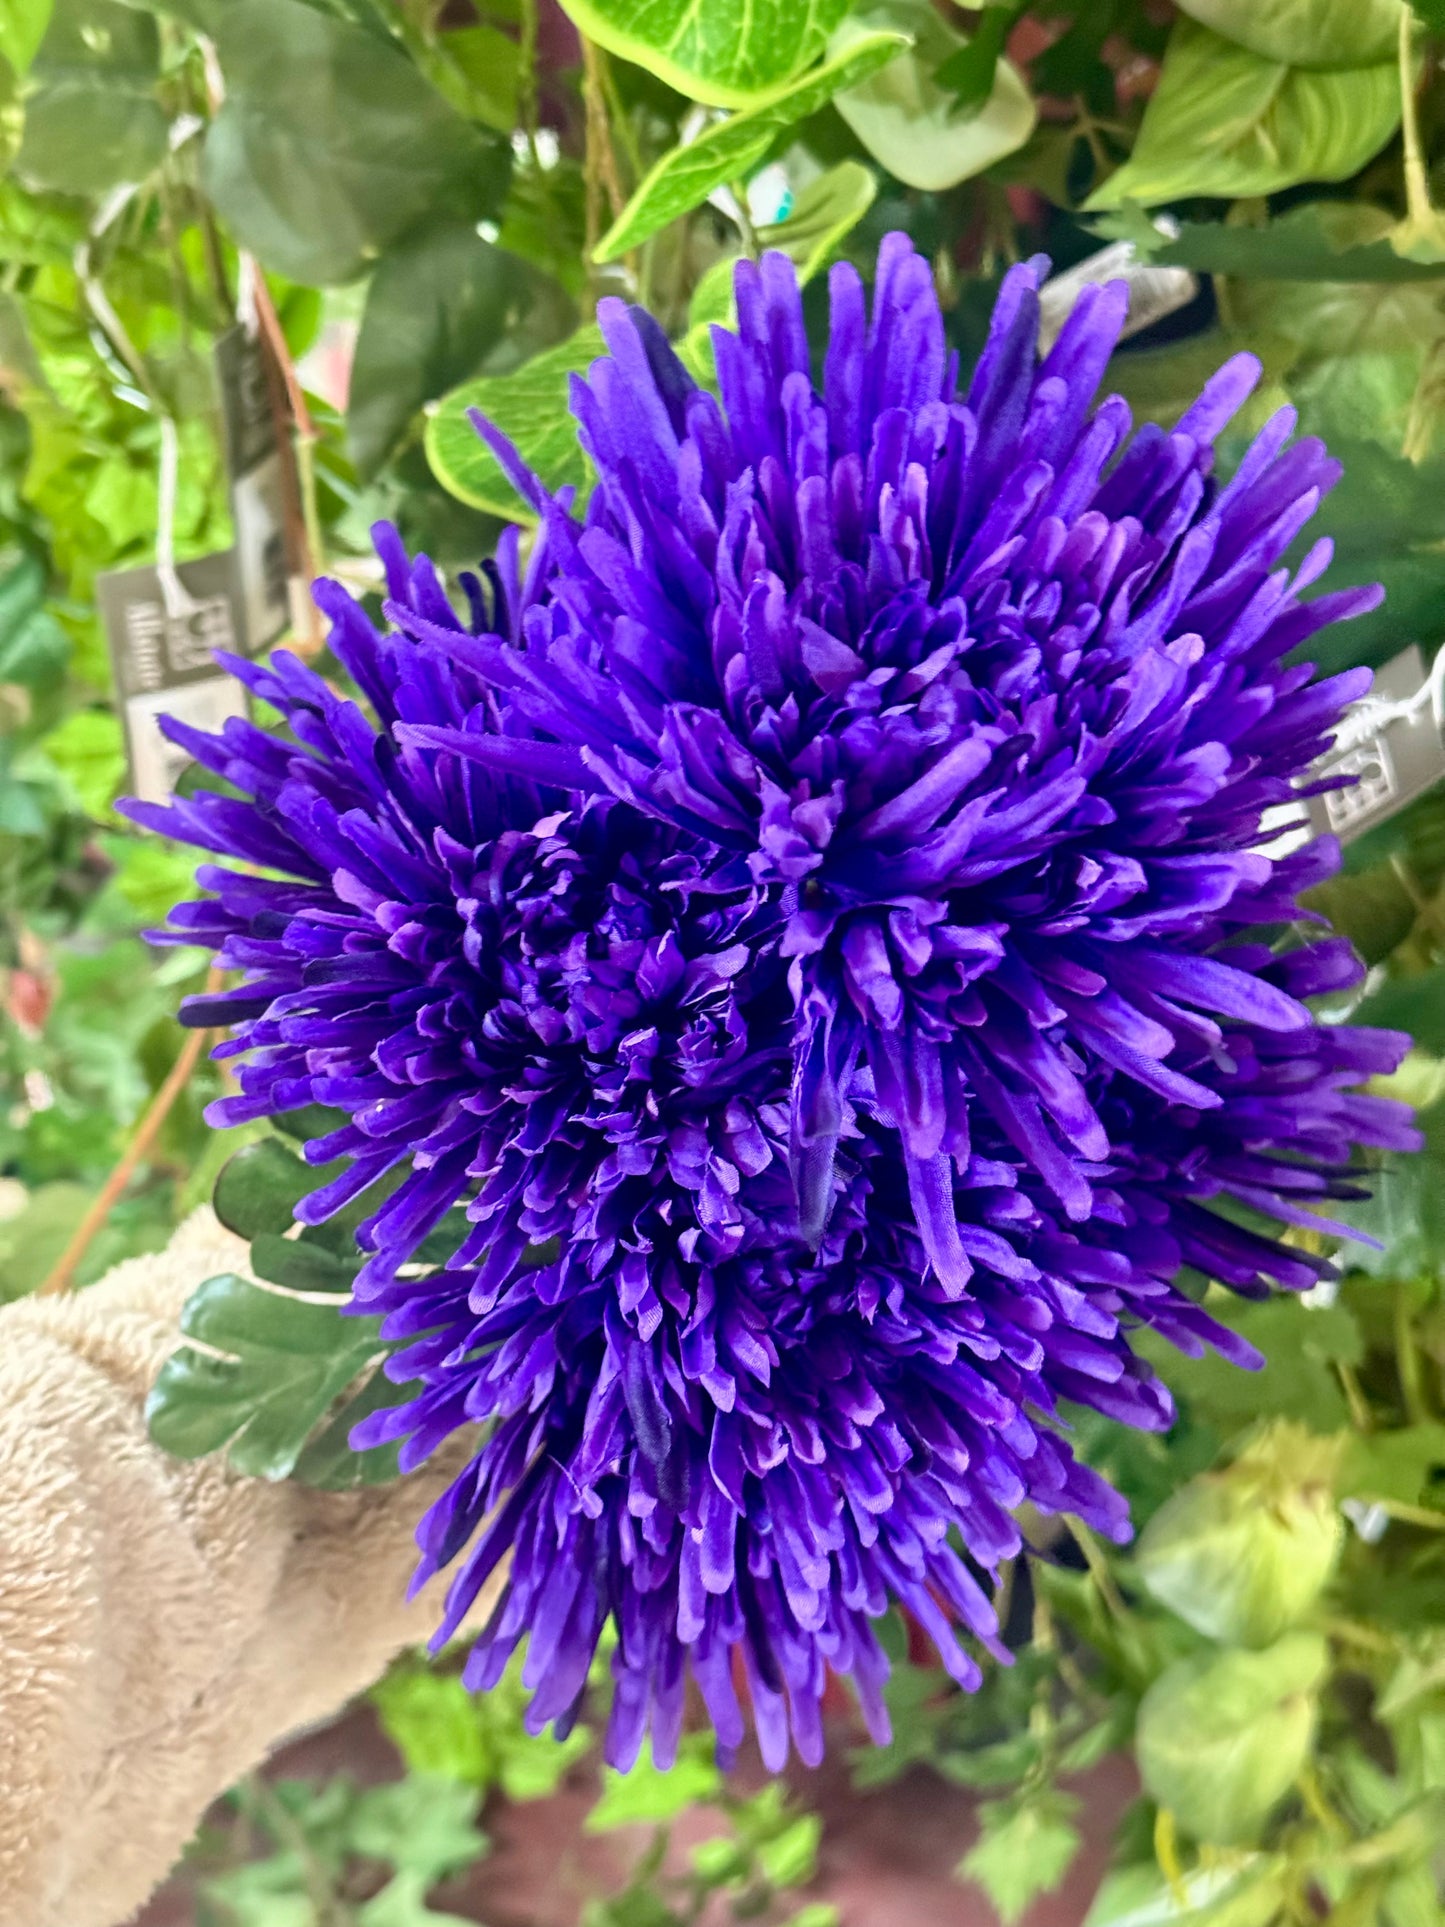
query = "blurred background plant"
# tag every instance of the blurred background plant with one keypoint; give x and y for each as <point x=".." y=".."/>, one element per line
<point x="418" y="203"/>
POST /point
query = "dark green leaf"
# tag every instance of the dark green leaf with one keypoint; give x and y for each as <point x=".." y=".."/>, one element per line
<point x="93" y="121"/>
<point x="530" y="407"/>
<point x="33" y="646"/>
<point x="729" y="53"/>
<point x="1224" y="121"/>
<point x="259" y="1188"/>
<point x="729" y="151"/>
<point x="329" y="1462"/>
<point x="968" y="73"/>
<point x="270" y="1371"/>
<point x="1301" y="1345"/>
<point x="1414" y="1004"/>
<point x="1310" y="243"/>
<point x="909" y="120"/>
<point x="331" y="146"/>
<point x="439" y="302"/>
<point x="299" y="1264"/>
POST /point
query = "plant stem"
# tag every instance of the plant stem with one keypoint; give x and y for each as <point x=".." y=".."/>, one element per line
<point x="1410" y="1364"/>
<point x="752" y="247"/>
<point x="1418" y="208"/>
<point x="1098" y="1567"/>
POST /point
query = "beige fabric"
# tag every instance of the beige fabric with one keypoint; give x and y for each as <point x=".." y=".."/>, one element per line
<point x="161" y="1624"/>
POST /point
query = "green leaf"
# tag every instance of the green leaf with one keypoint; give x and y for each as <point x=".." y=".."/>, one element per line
<point x="1222" y="1737"/>
<point x="299" y="1264"/>
<point x="790" y="1857"/>
<point x="439" y="301"/>
<point x="730" y="151"/>
<point x="1234" y="1896"/>
<point x="1301" y="1345"/>
<point x="646" y="1795"/>
<point x="1224" y="121"/>
<point x="909" y="120"/>
<point x="1321" y="241"/>
<point x="826" y="210"/>
<point x="530" y="407"/>
<point x="331" y="146"/>
<point x="434" y="1723"/>
<point x="1415" y="1004"/>
<point x="1306" y="33"/>
<point x="92" y="120"/>
<point x="1026" y="1849"/>
<point x="727" y="53"/>
<point x="33" y="646"/>
<point x="479" y="72"/>
<point x="402" y="1902"/>
<point x="968" y="74"/>
<point x="422" y="1825"/>
<point x="1392" y="1465"/>
<point x="22" y="29"/>
<point x="263" y="1373"/>
<point x="1243" y="1555"/>
<point x="329" y="1461"/>
<point x="259" y="1188"/>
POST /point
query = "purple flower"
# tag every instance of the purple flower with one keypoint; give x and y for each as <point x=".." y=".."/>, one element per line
<point x="814" y="921"/>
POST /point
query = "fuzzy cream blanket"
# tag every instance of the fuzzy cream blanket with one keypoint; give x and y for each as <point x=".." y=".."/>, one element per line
<point x="161" y="1624"/>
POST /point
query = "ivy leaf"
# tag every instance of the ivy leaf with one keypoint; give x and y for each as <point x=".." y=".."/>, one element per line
<point x="826" y="210"/>
<point x="1225" y="121"/>
<point x="908" y="118"/>
<point x="726" y="53"/>
<point x="530" y="407"/>
<point x="1306" y="33"/>
<point x="264" y="1370"/>
<point x="439" y="301"/>
<point x="331" y="146"/>
<point x="730" y="151"/>
<point x="1026" y="1849"/>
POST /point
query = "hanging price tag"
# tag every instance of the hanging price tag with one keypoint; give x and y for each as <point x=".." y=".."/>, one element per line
<point x="256" y="462"/>
<point x="162" y="652"/>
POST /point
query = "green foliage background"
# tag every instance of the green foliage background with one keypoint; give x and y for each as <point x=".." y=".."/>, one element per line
<point x="453" y="184"/>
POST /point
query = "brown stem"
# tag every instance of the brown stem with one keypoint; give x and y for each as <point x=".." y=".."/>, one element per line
<point x="62" y="1273"/>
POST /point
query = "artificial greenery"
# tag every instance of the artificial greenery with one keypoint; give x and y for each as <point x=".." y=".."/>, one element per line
<point x="452" y="187"/>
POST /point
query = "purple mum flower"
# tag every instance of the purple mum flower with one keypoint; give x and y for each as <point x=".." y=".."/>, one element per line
<point x="813" y="921"/>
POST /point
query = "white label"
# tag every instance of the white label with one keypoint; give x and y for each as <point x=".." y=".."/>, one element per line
<point x="155" y="761"/>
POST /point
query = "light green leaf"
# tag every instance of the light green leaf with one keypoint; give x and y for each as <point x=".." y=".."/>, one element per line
<point x="269" y="1369"/>
<point x="1221" y="1737"/>
<point x="727" y="53"/>
<point x="826" y="210"/>
<point x="1026" y="1849"/>
<point x="910" y="123"/>
<point x="1306" y="33"/>
<point x="1225" y="121"/>
<point x="22" y="28"/>
<point x="331" y="146"/>
<point x="530" y="407"/>
<point x="439" y="301"/>
<point x="89" y="751"/>
<point x="1392" y="1465"/>
<point x="1242" y="1555"/>
<point x="1301" y="1344"/>
<point x="478" y="70"/>
<point x="646" y="1795"/>
<point x="423" y="1825"/>
<point x="1235" y="1896"/>
<point x="729" y="151"/>
<point x="402" y="1902"/>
